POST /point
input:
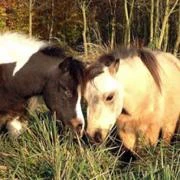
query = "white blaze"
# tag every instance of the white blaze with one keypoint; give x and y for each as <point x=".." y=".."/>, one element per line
<point x="79" y="109"/>
<point x="105" y="82"/>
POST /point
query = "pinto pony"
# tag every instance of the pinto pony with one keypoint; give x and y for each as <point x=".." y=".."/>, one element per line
<point x="136" y="89"/>
<point x="29" y="67"/>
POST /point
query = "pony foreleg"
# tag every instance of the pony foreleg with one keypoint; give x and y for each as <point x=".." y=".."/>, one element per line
<point x="126" y="131"/>
<point x="14" y="127"/>
<point x="169" y="129"/>
<point x="33" y="103"/>
<point x="151" y="134"/>
<point x="128" y="139"/>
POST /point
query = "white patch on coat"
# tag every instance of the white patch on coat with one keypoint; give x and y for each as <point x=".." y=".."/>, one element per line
<point x="79" y="113"/>
<point x="14" y="127"/>
<point x="17" y="48"/>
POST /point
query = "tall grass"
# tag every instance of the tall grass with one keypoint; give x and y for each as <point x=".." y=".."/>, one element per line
<point x="41" y="152"/>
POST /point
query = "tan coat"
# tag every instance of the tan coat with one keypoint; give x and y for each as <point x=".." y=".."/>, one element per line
<point x="150" y="110"/>
<point x="139" y="91"/>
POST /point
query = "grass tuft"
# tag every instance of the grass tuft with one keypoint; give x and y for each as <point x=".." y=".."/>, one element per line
<point x="41" y="152"/>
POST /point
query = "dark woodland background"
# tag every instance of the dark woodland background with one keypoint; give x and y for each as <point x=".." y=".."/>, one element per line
<point x="79" y="24"/>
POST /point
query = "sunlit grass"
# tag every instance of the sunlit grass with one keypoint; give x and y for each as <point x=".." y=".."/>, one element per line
<point x="41" y="152"/>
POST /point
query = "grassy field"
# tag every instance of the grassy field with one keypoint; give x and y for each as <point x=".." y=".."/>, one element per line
<point x="41" y="153"/>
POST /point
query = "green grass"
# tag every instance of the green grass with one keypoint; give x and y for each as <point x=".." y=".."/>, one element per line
<point x="41" y="153"/>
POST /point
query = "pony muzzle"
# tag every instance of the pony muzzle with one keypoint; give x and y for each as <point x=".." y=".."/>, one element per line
<point x="77" y="125"/>
<point x="97" y="136"/>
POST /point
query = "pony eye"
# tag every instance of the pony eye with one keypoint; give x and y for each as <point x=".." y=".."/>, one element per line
<point x="68" y="93"/>
<point x="110" y="97"/>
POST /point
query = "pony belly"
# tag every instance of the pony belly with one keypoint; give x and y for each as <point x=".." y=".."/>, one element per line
<point x="136" y="133"/>
<point x="144" y="129"/>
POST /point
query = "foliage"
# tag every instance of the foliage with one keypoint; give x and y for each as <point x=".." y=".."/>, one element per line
<point x="41" y="153"/>
<point x="106" y="21"/>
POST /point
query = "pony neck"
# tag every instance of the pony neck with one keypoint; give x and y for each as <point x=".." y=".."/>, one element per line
<point x="32" y="78"/>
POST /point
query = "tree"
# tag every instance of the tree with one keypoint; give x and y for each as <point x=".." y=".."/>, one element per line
<point x="84" y="8"/>
<point x="113" y="5"/>
<point x="177" y="42"/>
<point x="52" y="20"/>
<point x="30" y="17"/>
<point x="128" y="17"/>
<point x="168" y="12"/>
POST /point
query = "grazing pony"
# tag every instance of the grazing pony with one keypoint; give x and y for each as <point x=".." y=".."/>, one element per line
<point x="136" y="89"/>
<point x="28" y="68"/>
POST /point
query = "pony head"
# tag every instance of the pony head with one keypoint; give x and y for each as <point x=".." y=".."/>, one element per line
<point x="63" y="91"/>
<point x="104" y="96"/>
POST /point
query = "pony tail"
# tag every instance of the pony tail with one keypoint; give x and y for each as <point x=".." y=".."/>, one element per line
<point x="152" y="65"/>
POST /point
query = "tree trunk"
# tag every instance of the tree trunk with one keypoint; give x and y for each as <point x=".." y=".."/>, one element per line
<point x="168" y="12"/>
<point x="97" y="32"/>
<point x="113" y="33"/>
<point x="83" y="9"/>
<point x="30" y="18"/>
<point x="127" y="23"/>
<point x="152" y="22"/>
<point x="177" y="43"/>
<point x="128" y="17"/>
<point x="52" y="20"/>
<point x="156" y="26"/>
<point x="113" y="22"/>
<point x="166" y="37"/>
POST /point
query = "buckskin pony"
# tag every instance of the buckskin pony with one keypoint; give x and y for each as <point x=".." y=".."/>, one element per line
<point x="29" y="67"/>
<point x="136" y="89"/>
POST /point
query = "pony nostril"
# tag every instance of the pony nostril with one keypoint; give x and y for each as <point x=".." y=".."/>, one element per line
<point x="98" y="137"/>
<point x="79" y="127"/>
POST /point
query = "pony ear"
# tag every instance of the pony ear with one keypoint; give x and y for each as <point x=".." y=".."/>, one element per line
<point x="114" y="66"/>
<point x="64" y="66"/>
<point x="110" y="61"/>
<point x="106" y="60"/>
